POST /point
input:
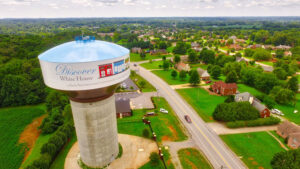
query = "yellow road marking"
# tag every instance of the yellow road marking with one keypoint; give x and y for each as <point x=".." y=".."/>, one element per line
<point x="198" y="129"/>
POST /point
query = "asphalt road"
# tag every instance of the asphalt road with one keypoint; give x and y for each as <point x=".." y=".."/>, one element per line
<point x="204" y="137"/>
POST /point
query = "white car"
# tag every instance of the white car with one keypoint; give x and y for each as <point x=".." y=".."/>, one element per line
<point x="163" y="110"/>
<point x="276" y="111"/>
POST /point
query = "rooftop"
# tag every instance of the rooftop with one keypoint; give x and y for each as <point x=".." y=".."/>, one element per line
<point x="79" y="51"/>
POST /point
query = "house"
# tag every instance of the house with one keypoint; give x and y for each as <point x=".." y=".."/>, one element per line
<point x="235" y="46"/>
<point x="291" y="132"/>
<point x="241" y="59"/>
<point x="105" y="34"/>
<point x="287" y="53"/>
<point x="240" y="40"/>
<point x="223" y="88"/>
<point x="158" y="51"/>
<point x="195" y="45"/>
<point x="255" y="46"/>
<point x="233" y="37"/>
<point x="123" y="108"/>
<point x="136" y="50"/>
<point x="182" y="66"/>
<point x="204" y="75"/>
<point x="282" y="47"/>
<point x="247" y="97"/>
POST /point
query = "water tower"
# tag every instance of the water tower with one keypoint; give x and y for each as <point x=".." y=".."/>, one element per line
<point x="89" y="71"/>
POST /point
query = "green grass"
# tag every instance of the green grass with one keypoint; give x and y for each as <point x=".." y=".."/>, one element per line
<point x="267" y="63"/>
<point x="137" y="79"/>
<point x="166" y="76"/>
<point x="167" y="159"/>
<point x="171" y="128"/>
<point x="13" y="121"/>
<point x="191" y="158"/>
<point x="201" y="101"/>
<point x="197" y="65"/>
<point x="298" y="76"/>
<point x="134" y="57"/>
<point x="244" y="88"/>
<point x="256" y="149"/>
<point x="288" y="110"/>
<point x="35" y="152"/>
<point x="59" y="161"/>
<point x="170" y="49"/>
<point x="152" y="65"/>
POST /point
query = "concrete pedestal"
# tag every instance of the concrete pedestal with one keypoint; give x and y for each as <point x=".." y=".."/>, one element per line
<point x="96" y="129"/>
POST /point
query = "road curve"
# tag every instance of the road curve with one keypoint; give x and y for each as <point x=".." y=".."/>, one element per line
<point x="204" y="137"/>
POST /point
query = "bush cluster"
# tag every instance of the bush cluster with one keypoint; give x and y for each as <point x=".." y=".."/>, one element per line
<point x="251" y="123"/>
<point x="50" y="149"/>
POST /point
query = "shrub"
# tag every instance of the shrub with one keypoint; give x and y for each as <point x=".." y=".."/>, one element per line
<point x="251" y="123"/>
<point x="146" y="133"/>
<point x="49" y="148"/>
<point x="154" y="159"/>
<point x="286" y="159"/>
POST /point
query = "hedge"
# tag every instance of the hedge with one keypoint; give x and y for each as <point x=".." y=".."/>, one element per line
<point x="50" y="149"/>
<point x="251" y="123"/>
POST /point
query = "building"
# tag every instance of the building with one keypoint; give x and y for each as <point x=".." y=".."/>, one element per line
<point x="123" y="108"/>
<point x="247" y="97"/>
<point x="255" y="46"/>
<point x="291" y="132"/>
<point x="235" y="46"/>
<point x="240" y="41"/>
<point x="204" y="75"/>
<point x="283" y="47"/>
<point x="158" y="51"/>
<point x="223" y="88"/>
<point x="89" y="71"/>
<point x="182" y="66"/>
<point x="241" y="59"/>
<point x="136" y="50"/>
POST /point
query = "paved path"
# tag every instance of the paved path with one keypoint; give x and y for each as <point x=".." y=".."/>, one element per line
<point x="136" y="152"/>
<point x="174" y="147"/>
<point x="203" y="136"/>
<point x="282" y="145"/>
<point x="220" y="128"/>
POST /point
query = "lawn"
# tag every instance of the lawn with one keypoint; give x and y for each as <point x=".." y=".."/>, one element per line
<point x="152" y="65"/>
<point x="13" y="121"/>
<point x="244" y="88"/>
<point x="288" y="110"/>
<point x="167" y="159"/>
<point x="267" y="63"/>
<point x="135" y="57"/>
<point x="59" y="161"/>
<point x="255" y="149"/>
<point x="166" y="76"/>
<point x="197" y="65"/>
<point x="191" y="158"/>
<point x="35" y="152"/>
<point x="201" y="101"/>
<point x="170" y="130"/>
<point x="137" y="79"/>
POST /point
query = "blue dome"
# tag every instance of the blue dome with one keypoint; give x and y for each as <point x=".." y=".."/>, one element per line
<point x="78" y="51"/>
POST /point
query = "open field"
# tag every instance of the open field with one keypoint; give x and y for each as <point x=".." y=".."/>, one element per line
<point x="13" y="121"/>
<point x="197" y="65"/>
<point x="267" y="63"/>
<point x="134" y="57"/>
<point x="255" y="149"/>
<point x="166" y="126"/>
<point x="152" y="65"/>
<point x="166" y="76"/>
<point x="147" y="88"/>
<point x="244" y="88"/>
<point x="191" y="158"/>
<point x="201" y="101"/>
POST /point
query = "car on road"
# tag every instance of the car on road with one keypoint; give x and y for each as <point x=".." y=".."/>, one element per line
<point x="187" y="118"/>
<point x="135" y="64"/>
<point x="163" y="110"/>
<point x="208" y="82"/>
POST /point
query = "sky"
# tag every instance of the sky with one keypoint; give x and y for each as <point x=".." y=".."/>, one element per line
<point x="146" y="8"/>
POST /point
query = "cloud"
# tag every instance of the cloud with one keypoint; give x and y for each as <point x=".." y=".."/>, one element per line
<point x="17" y="2"/>
<point x="209" y="7"/>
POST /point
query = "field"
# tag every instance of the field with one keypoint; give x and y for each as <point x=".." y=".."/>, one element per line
<point x="13" y="121"/>
<point x="244" y="88"/>
<point x="191" y="158"/>
<point x="134" y="57"/>
<point x="267" y="63"/>
<point x="152" y="65"/>
<point x="201" y="101"/>
<point x="255" y="149"/>
<point x="147" y="88"/>
<point x="166" y="76"/>
<point x="197" y="65"/>
<point x="59" y="161"/>
<point x="166" y="126"/>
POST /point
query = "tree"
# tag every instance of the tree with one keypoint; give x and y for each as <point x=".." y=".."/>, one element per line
<point x="182" y="75"/>
<point x="142" y="84"/>
<point x="262" y="54"/>
<point x="216" y="72"/>
<point x="154" y="159"/>
<point x="164" y="58"/>
<point x="292" y="84"/>
<point x="231" y="77"/>
<point x="56" y="99"/>
<point x="248" y="52"/>
<point x="180" y="48"/>
<point x="143" y="55"/>
<point x="280" y="73"/>
<point x="146" y="133"/>
<point x="279" y="54"/>
<point x="194" y="79"/>
<point x="166" y="65"/>
<point x="162" y="45"/>
<point x="177" y="59"/>
<point x="207" y="56"/>
<point x="174" y="74"/>
<point x="286" y="159"/>
<point x="192" y="56"/>
<point x="282" y="95"/>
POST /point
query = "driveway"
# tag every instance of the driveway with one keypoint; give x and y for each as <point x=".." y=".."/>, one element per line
<point x="139" y="100"/>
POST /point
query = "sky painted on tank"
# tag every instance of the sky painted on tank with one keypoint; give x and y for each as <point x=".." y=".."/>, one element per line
<point x="78" y="51"/>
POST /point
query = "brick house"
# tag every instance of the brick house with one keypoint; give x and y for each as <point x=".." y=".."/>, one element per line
<point x="223" y="88"/>
<point x="136" y="50"/>
<point x="123" y="108"/>
<point x="291" y="132"/>
<point x="247" y="97"/>
<point x="235" y="46"/>
<point x="158" y="51"/>
<point x="203" y="74"/>
<point x="182" y="66"/>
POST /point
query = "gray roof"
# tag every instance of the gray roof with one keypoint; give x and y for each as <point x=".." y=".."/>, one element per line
<point x="203" y="73"/>
<point x="242" y="97"/>
<point x="246" y="96"/>
<point x="123" y="105"/>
